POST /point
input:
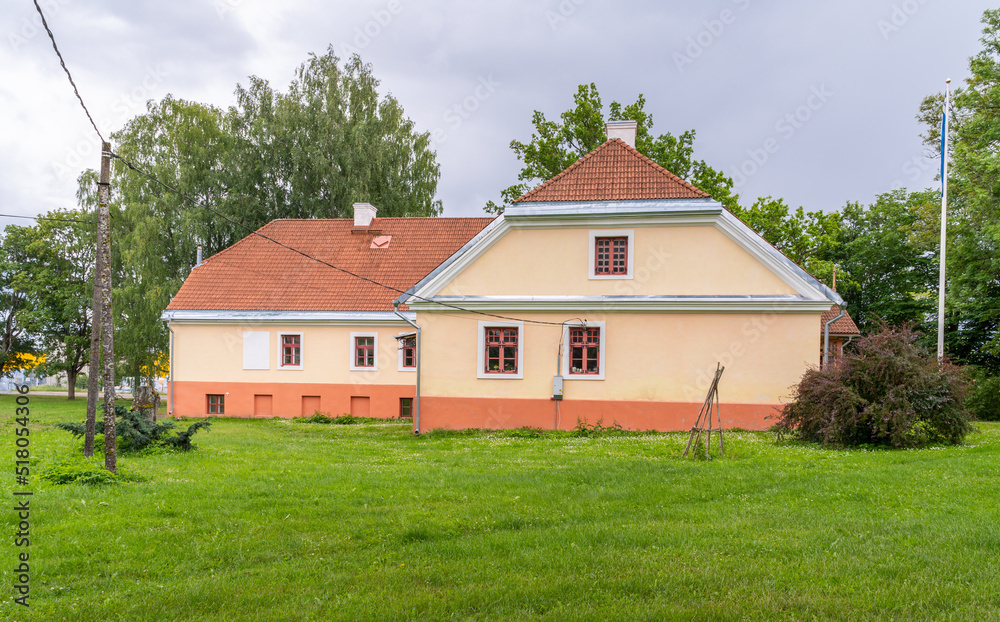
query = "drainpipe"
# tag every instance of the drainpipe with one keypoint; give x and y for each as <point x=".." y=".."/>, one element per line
<point x="826" y="336"/>
<point x="416" y="406"/>
<point x="170" y="389"/>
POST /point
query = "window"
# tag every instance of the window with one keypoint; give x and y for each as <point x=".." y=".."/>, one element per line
<point x="405" y="407"/>
<point x="584" y="350"/>
<point x="501" y="350"/>
<point x="584" y="346"/>
<point x="407" y="353"/>
<point x="611" y="254"/>
<point x="216" y="404"/>
<point x="290" y="356"/>
<point x="364" y="351"/>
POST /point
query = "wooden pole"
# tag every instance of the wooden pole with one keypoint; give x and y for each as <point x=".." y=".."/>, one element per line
<point x="107" y="327"/>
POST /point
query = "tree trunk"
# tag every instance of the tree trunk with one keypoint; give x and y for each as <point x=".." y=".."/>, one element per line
<point x="146" y="400"/>
<point x="71" y="381"/>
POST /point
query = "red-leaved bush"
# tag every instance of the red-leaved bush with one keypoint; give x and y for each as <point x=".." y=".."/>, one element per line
<point x="887" y="391"/>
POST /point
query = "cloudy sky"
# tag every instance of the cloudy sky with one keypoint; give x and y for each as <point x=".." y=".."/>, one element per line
<point x="813" y="102"/>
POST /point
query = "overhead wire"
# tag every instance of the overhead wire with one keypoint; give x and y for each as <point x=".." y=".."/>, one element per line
<point x="88" y="222"/>
<point x="257" y="233"/>
<point x="66" y="69"/>
<point x="254" y="232"/>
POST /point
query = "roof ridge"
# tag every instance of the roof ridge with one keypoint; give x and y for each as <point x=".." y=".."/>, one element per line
<point x="627" y="150"/>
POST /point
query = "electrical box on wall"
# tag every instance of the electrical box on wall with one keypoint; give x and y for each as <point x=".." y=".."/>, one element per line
<point x="557" y="388"/>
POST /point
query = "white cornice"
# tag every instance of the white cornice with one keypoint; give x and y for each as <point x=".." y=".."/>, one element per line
<point x="626" y="304"/>
<point x="326" y="318"/>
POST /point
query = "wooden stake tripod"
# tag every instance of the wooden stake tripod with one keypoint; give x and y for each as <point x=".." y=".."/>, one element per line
<point x="704" y="421"/>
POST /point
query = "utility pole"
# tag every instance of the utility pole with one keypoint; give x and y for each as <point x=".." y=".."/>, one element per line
<point x="107" y="328"/>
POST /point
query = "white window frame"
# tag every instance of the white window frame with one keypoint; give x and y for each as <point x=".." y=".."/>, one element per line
<point x="281" y="351"/>
<point x="566" y="350"/>
<point x="611" y="233"/>
<point x="481" y="351"/>
<point x="256" y="349"/>
<point x="352" y="351"/>
<point x="399" y="352"/>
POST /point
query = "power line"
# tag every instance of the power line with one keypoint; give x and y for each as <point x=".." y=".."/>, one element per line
<point x="68" y="75"/>
<point x="316" y="259"/>
<point x="88" y="222"/>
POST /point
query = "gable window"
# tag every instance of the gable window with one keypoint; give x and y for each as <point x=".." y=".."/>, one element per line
<point x="611" y="253"/>
<point x="611" y="256"/>
<point x="290" y="351"/>
<point x="216" y="404"/>
<point x="364" y="351"/>
<point x="501" y="350"/>
<point x="407" y="353"/>
<point x="584" y="346"/>
<point x="584" y="350"/>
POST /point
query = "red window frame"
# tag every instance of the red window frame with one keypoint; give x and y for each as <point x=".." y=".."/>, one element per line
<point x="364" y="351"/>
<point x="406" y="408"/>
<point x="611" y="255"/>
<point x="409" y="346"/>
<point x="291" y="350"/>
<point x="584" y="351"/>
<point x="501" y="344"/>
<point x="216" y="404"/>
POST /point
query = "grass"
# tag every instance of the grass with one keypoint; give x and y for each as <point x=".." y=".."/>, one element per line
<point x="282" y="520"/>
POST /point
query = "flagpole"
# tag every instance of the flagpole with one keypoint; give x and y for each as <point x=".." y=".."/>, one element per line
<point x="944" y="216"/>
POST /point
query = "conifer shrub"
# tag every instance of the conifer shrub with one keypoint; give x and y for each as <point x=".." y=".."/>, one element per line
<point x="887" y="391"/>
<point x="135" y="433"/>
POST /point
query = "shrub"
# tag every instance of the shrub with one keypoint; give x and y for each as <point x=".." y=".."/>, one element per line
<point x="136" y="433"/>
<point x="345" y="419"/>
<point x="889" y="391"/>
<point x="984" y="396"/>
<point x="87" y="472"/>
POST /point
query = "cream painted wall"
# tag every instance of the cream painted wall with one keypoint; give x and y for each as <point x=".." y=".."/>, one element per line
<point x="668" y="260"/>
<point x="649" y="356"/>
<point x="216" y="353"/>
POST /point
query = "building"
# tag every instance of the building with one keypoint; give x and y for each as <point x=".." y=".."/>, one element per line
<point x="260" y="329"/>
<point x="609" y="293"/>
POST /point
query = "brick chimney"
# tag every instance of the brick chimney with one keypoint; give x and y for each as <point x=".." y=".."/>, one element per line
<point x="364" y="214"/>
<point x="624" y="130"/>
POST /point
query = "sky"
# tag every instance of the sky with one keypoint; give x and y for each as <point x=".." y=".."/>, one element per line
<point x="812" y="102"/>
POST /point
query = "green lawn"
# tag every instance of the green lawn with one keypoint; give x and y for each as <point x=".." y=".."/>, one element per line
<point x="276" y="520"/>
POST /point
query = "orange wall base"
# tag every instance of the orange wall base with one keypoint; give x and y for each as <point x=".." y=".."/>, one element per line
<point x="503" y="413"/>
<point x="288" y="399"/>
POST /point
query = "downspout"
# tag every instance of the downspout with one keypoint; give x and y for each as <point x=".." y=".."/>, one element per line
<point x="826" y="336"/>
<point x="170" y="388"/>
<point x="416" y="406"/>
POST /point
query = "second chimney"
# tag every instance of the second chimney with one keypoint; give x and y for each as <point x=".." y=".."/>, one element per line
<point x="364" y="214"/>
<point x="624" y="130"/>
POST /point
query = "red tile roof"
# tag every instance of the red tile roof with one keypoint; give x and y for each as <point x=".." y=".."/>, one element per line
<point x="613" y="172"/>
<point x="843" y="326"/>
<point x="256" y="274"/>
